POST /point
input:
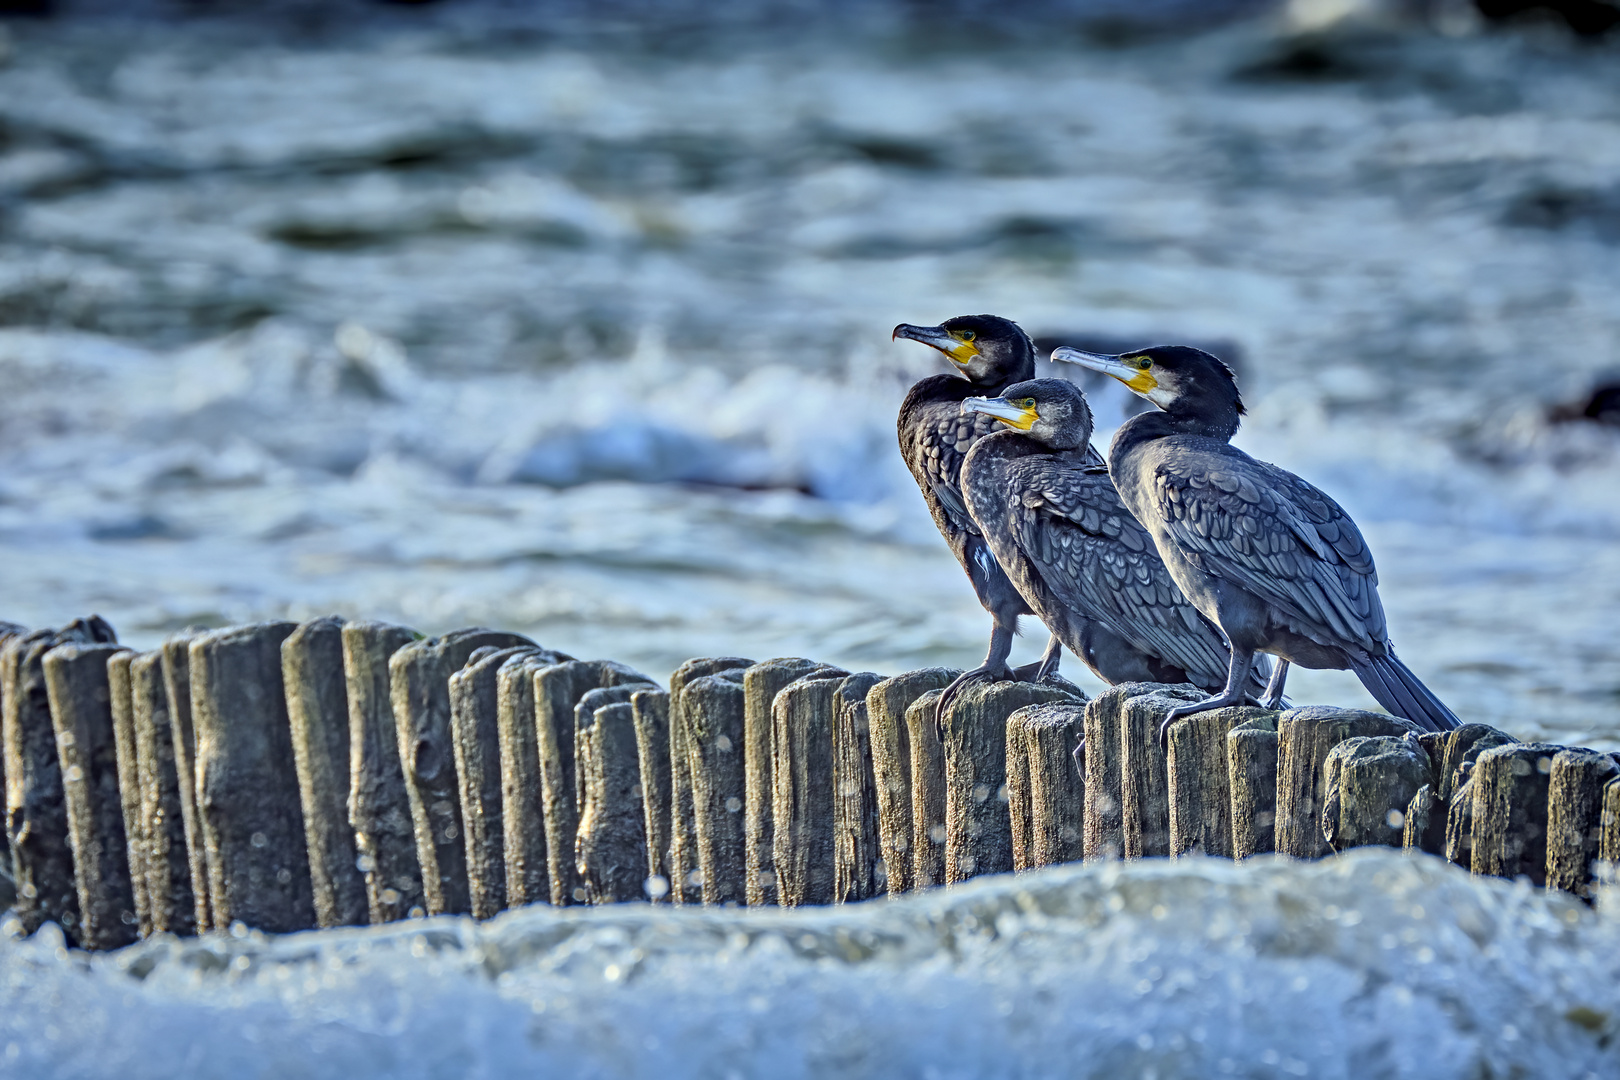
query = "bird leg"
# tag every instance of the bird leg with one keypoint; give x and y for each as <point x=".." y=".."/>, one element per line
<point x="1044" y="668"/>
<point x="1274" y="688"/>
<point x="994" y="669"/>
<point x="1237" y="673"/>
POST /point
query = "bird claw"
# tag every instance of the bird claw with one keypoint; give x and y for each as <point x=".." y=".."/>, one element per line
<point x="971" y="677"/>
<point x="1176" y="714"/>
<point x="1079" y="753"/>
<point x="1038" y="672"/>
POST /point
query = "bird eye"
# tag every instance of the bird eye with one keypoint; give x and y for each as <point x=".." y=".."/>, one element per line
<point x="1027" y="403"/>
<point x="1141" y="363"/>
<point x="966" y="335"/>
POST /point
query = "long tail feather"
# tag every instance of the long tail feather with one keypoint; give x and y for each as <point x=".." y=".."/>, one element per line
<point x="1403" y="693"/>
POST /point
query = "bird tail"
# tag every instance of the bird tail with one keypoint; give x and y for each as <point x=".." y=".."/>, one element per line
<point x="1402" y="693"/>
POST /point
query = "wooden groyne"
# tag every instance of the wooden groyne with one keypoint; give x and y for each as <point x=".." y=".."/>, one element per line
<point x="282" y="777"/>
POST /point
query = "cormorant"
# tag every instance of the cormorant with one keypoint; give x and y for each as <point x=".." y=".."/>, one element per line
<point x="1055" y="524"/>
<point x="988" y="353"/>
<point x="1276" y="563"/>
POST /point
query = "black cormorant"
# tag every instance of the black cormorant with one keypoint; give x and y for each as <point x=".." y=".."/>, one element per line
<point x="1055" y="524"/>
<point x="1278" y="565"/>
<point x="988" y="353"/>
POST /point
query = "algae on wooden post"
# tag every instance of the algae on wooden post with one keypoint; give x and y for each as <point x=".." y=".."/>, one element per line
<point x="857" y="854"/>
<point x="1306" y="736"/>
<point x="247" y="787"/>
<point x="1575" y="817"/>
<point x="172" y="905"/>
<point x="761" y="683"/>
<point x="80" y="698"/>
<point x="1200" y="780"/>
<point x="1510" y="811"/>
<point x="379" y="807"/>
<point x="978" y="826"/>
<point x="1251" y="758"/>
<point x="886" y="706"/>
<point x="1369" y="782"/>
<point x="318" y="709"/>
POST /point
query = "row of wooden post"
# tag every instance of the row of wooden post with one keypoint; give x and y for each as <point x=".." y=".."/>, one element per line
<point x="283" y="776"/>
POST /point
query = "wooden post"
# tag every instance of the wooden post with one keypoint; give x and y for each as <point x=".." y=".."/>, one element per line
<point x="857" y="855"/>
<point x="1369" y="783"/>
<point x="1200" y="780"/>
<point x="612" y="841"/>
<point x="1045" y="785"/>
<point x="978" y="826"/>
<point x="1510" y="811"/>
<point x="1305" y="738"/>
<point x="713" y="708"/>
<point x="121" y="688"/>
<point x="318" y="710"/>
<point x="886" y="707"/>
<point x="379" y="807"/>
<point x="172" y="905"/>
<point x="475" y="737"/>
<point x="523" y="815"/>
<point x="761" y="683"/>
<point x="1251" y="760"/>
<point x="1104" y="773"/>
<point x="1575" y="817"/>
<point x="557" y="691"/>
<point x="1460" y="822"/>
<point x="1144" y="770"/>
<point x="650" y="711"/>
<point x="1424" y="828"/>
<point x="1609" y="828"/>
<point x="247" y="786"/>
<point x="928" y="831"/>
<point x="801" y="770"/>
<point x="685" y="877"/>
<point x="177" y="687"/>
<point x="36" y="809"/>
<point x="419" y="677"/>
<point x="1461" y="749"/>
<point x="80" y="697"/>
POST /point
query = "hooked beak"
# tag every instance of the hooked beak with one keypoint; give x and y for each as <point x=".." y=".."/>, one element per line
<point x="1003" y="410"/>
<point x="959" y="352"/>
<point x="1138" y="380"/>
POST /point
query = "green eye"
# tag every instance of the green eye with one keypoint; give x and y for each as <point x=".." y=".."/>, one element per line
<point x="1026" y="403"/>
<point x="966" y="335"/>
<point x="1140" y="363"/>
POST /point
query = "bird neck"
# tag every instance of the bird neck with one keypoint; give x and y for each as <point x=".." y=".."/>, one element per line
<point x="1145" y="427"/>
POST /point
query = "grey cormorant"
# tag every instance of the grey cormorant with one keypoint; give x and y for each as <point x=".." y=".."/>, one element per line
<point x="988" y="353"/>
<point x="1057" y="527"/>
<point x="1277" y="564"/>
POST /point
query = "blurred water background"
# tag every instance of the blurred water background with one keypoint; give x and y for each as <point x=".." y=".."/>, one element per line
<point x="573" y="319"/>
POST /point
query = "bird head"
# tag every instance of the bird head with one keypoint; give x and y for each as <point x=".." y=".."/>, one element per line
<point x="1050" y="411"/>
<point x="986" y="350"/>
<point x="1176" y="378"/>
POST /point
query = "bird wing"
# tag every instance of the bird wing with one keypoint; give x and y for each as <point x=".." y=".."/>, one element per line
<point x="935" y="437"/>
<point x="1097" y="559"/>
<point x="1270" y="532"/>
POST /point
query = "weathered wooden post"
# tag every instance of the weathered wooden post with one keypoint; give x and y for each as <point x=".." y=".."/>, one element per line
<point x="761" y="683"/>
<point x="1510" y="811"/>
<point x="247" y="786"/>
<point x="685" y="877"/>
<point x="80" y="698"/>
<point x="1575" y="817"/>
<point x="857" y="854"/>
<point x="1200" y="776"/>
<point x="612" y="841"/>
<point x="379" y="807"/>
<point x="419" y="676"/>
<point x="475" y="739"/>
<point x="318" y="710"/>
<point x="1251" y="759"/>
<point x="928" y="832"/>
<point x="121" y="688"/>
<point x="1369" y="783"/>
<point x="1144" y="770"/>
<point x="1454" y="789"/>
<point x="886" y="707"/>
<point x="1044" y="785"/>
<point x="712" y="708"/>
<point x="801" y="770"/>
<point x="650" y="712"/>
<point x="36" y="809"/>
<point x="1104" y="774"/>
<point x="523" y="815"/>
<point x="171" y="903"/>
<point x="176" y="651"/>
<point x="1306" y="736"/>
<point x="978" y="826"/>
<point x="1609" y="827"/>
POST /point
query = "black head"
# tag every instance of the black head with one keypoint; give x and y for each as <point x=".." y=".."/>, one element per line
<point x="1053" y="412"/>
<point x="1181" y="380"/>
<point x="986" y="350"/>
